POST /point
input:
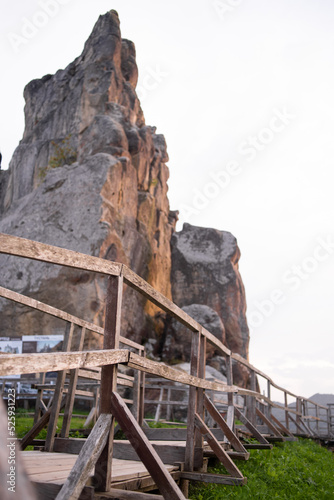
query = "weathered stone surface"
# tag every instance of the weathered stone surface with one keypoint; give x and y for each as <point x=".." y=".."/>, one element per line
<point x="108" y="195"/>
<point x="205" y="271"/>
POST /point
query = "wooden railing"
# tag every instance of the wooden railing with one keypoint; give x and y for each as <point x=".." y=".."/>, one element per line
<point x="97" y="450"/>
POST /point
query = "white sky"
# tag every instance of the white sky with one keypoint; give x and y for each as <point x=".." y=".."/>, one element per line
<point x="242" y="90"/>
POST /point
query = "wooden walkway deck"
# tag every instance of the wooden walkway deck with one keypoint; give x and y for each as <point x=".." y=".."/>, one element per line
<point x="54" y="468"/>
<point x="101" y="467"/>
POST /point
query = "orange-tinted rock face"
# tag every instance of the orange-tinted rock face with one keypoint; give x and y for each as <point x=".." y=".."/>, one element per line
<point x="89" y="116"/>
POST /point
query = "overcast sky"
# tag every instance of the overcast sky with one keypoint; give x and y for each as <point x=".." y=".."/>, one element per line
<point x="243" y="92"/>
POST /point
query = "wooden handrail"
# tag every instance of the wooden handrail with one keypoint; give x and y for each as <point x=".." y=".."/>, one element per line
<point x="13" y="245"/>
<point x="58" y="313"/>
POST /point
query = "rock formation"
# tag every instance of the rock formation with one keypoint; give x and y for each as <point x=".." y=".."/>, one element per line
<point x="206" y="283"/>
<point x="91" y="176"/>
<point x="105" y="186"/>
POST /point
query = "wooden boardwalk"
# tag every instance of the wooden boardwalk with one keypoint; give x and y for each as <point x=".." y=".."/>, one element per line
<point x="101" y="467"/>
<point x="54" y="468"/>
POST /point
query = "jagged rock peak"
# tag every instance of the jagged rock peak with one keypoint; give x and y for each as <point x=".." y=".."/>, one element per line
<point x="90" y="175"/>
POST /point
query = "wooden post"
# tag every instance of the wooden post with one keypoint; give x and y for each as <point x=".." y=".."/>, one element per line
<point x="192" y="406"/>
<point x="200" y="392"/>
<point x="317" y="421"/>
<point x="158" y="408"/>
<point x="39" y="399"/>
<point x="269" y="397"/>
<point x="230" y="396"/>
<point x="65" y="430"/>
<point x="286" y="411"/>
<point x="109" y="376"/>
<point x="58" y="394"/>
<point x="251" y="403"/>
<point x="141" y="383"/>
<point x="169" y="407"/>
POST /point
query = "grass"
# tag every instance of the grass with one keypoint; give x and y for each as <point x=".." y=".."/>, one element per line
<point x="291" y="470"/>
<point x="24" y="423"/>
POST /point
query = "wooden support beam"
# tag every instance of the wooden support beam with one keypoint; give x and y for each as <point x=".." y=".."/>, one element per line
<point x="250" y="427"/>
<point x="217" y="449"/>
<point x="298" y="426"/>
<point x="49" y="491"/>
<point x="36" y="429"/>
<point x="86" y="460"/>
<point x="192" y="406"/>
<point x="58" y="394"/>
<point x="109" y="376"/>
<point x="267" y="422"/>
<point x="40" y="407"/>
<point x="281" y="426"/>
<point x="74" y="374"/>
<point x="233" y="439"/>
<point x="144" y="449"/>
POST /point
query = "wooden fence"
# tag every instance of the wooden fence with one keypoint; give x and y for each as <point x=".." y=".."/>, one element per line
<point x="103" y="365"/>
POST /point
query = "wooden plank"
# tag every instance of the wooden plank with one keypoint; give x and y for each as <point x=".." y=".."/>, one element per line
<point x="168" y="453"/>
<point x="192" y="406"/>
<point x="14" y="364"/>
<point x="144" y="449"/>
<point x="49" y="491"/>
<point x="112" y="330"/>
<point x="233" y="439"/>
<point x="166" y="434"/>
<point x="169" y="373"/>
<point x="86" y="460"/>
<point x="217" y="449"/>
<point x="21" y="247"/>
<point x="144" y="483"/>
<point x="250" y="426"/>
<point x="127" y="495"/>
<point x="214" y="478"/>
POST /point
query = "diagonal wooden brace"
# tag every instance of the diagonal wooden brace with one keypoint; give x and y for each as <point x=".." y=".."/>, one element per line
<point x="250" y="427"/>
<point x="147" y="454"/>
<point x="216" y="448"/>
<point x="233" y="439"/>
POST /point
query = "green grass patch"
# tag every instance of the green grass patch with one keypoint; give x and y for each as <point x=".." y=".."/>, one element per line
<point x="292" y="470"/>
<point x="23" y="424"/>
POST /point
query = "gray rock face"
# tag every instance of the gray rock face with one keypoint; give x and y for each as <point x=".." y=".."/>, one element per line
<point x="205" y="271"/>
